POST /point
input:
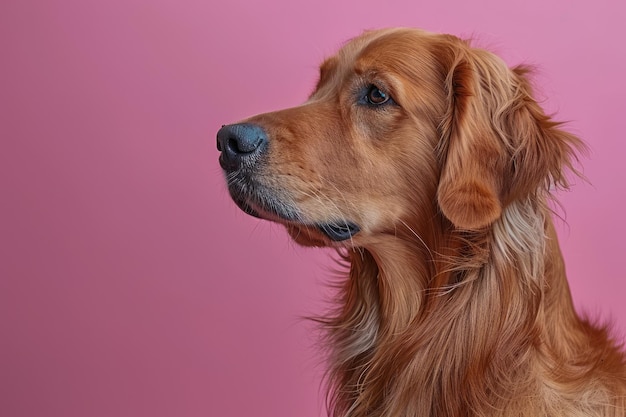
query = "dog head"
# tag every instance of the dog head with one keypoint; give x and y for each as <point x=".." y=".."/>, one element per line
<point x="404" y="126"/>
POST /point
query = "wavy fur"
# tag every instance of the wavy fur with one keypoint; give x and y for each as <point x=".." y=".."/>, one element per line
<point x="456" y="301"/>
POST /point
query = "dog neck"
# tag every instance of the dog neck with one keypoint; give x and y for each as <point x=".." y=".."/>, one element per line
<point x="435" y="321"/>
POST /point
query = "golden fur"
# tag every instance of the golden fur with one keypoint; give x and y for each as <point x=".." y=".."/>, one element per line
<point x="456" y="303"/>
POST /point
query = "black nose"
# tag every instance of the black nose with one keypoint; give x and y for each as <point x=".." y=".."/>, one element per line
<point x="240" y="144"/>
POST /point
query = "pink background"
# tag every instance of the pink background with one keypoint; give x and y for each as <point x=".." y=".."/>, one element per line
<point x="130" y="285"/>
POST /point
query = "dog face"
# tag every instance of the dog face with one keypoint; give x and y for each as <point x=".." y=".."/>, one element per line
<point x="403" y="126"/>
<point x="332" y="169"/>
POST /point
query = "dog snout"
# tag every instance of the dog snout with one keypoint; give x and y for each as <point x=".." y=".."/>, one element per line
<point x="241" y="145"/>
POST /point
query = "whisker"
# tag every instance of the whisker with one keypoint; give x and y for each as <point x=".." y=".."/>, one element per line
<point x="430" y="252"/>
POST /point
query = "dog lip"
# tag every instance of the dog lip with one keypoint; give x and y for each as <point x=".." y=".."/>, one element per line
<point x="335" y="231"/>
<point x="263" y="206"/>
<point x="245" y="207"/>
<point x="339" y="231"/>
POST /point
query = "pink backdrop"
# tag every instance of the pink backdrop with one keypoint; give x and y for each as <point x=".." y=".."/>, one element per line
<point x="130" y="285"/>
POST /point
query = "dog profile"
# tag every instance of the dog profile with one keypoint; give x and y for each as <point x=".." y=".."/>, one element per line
<point x="430" y="167"/>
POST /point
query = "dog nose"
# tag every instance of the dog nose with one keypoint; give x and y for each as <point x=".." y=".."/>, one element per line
<point x="240" y="144"/>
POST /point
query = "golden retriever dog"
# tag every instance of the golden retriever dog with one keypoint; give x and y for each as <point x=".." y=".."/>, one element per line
<point x="428" y="164"/>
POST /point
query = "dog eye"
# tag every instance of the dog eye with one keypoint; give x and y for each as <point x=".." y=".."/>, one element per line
<point x="376" y="96"/>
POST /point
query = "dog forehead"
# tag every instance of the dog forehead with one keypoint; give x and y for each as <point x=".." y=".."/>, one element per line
<point x="353" y="48"/>
<point x="384" y="49"/>
<point x="407" y="55"/>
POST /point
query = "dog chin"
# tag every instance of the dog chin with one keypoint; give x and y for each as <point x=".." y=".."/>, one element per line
<point x="264" y="207"/>
<point x="321" y="235"/>
<point x="302" y="232"/>
<point x="308" y="236"/>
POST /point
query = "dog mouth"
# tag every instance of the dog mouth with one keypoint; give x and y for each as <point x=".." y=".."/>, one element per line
<point x="339" y="231"/>
<point x="264" y="205"/>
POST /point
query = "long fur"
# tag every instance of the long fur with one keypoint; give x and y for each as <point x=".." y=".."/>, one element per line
<point x="456" y="301"/>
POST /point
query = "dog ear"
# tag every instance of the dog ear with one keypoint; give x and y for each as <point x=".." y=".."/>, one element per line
<point x="497" y="145"/>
